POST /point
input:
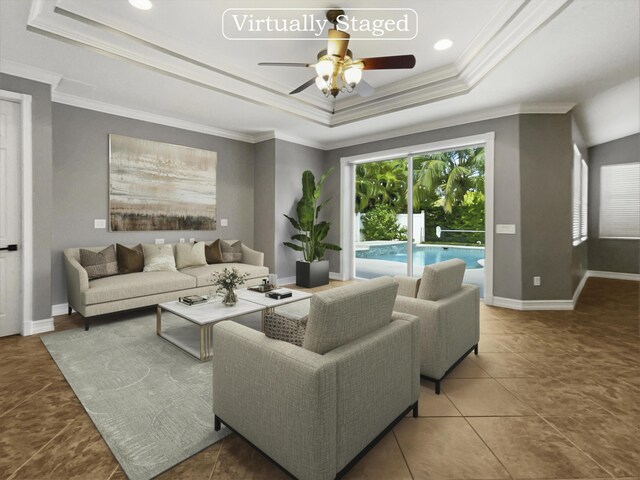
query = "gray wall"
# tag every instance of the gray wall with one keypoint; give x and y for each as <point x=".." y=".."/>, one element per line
<point x="81" y="173"/>
<point x="264" y="201"/>
<point x="545" y="183"/>
<point x="507" y="277"/>
<point x="607" y="254"/>
<point x="42" y="171"/>
<point x="291" y="161"/>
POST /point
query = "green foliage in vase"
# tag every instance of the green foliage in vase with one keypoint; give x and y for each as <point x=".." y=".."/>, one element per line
<point x="311" y="232"/>
<point x="380" y="223"/>
<point x="228" y="280"/>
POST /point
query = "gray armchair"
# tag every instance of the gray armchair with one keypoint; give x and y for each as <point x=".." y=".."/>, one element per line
<point x="314" y="409"/>
<point x="449" y="315"/>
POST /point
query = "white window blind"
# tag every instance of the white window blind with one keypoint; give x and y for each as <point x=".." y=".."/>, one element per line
<point x="579" y="197"/>
<point x="575" y="194"/>
<point x="620" y="201"/>
<point x="584" y="200"/>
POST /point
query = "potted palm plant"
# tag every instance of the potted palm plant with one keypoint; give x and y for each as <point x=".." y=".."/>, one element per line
<point x="313" y="270"/>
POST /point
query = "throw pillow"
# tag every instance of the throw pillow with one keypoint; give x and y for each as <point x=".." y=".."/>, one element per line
<point x="188" y="255"/>
<point x="99" y="264"/>
<point x="158" y="258"/>
<point x="287" y="329"/>
<point x="130" y="260"/>
<point x="231" y="252"/>
<point x="213" y="252"/>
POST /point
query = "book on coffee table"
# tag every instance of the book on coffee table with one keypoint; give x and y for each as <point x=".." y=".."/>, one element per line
<point x="192" y="299"/>
<point x="279" y="293"/>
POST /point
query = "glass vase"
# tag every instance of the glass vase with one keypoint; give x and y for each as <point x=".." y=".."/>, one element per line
<point x="230" y="298"/>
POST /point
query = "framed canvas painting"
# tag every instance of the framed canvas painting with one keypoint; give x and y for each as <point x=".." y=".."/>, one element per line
<point x="158" y="186"/>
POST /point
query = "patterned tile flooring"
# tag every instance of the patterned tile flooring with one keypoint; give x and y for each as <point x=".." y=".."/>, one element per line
<point x="552" y="395"/>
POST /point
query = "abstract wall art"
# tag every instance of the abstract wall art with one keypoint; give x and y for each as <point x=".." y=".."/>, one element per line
<point x="158" y="186"/>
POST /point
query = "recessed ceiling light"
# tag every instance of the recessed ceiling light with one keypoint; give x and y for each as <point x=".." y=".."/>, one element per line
<point x="443" y="44"/>
<point x="141" y="4"/>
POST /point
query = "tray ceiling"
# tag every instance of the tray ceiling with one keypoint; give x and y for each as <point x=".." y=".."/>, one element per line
<point x="173" y="60"/>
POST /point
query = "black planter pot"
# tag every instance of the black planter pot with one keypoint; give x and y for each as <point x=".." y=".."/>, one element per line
<point x="314" y="274"/>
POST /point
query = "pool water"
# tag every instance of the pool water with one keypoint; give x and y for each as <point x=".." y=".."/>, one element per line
<point x="423" y="255"/>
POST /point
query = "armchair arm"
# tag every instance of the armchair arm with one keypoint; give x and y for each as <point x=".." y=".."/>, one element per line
<point x="407" y="286"/>
<point x="280" y="397"/>
<point x="252" y="257"/>
<point x="77" y="282"/>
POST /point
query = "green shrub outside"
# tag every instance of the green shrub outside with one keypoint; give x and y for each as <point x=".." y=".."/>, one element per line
<point x="380" y="223"/>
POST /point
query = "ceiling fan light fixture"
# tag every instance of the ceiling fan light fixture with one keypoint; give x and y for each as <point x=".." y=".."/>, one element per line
<point x="324" y="68"/>
<point x="443" y="44"/>
<point x="141" y="4"/>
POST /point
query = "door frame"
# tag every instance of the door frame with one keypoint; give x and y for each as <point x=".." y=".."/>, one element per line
<point x="26" y="173"/>
<point x="347" y="197"/>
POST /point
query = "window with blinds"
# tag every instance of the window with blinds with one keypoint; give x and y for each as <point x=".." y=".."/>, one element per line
<point x="579" y="207"/>
<point x="620" y="201"/>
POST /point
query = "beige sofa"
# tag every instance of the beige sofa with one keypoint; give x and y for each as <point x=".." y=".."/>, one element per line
<point x="135" y="290"/>
<point x="314" y="409"/>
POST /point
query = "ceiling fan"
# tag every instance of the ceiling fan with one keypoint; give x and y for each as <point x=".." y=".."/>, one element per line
<point x="337" y="70"/>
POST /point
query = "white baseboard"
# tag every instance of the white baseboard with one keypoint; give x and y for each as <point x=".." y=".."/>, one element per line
<point x="59" y="309"/>
<point x="562" y="304"/>
<point x="614" y="275"/>
<point x="35" y="327"/>
<point x="578" y="292"/>
<point x="532" y="304"/>
<point x="337" y="276"/>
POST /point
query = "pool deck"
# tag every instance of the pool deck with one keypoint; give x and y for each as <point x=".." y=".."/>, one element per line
<point x="369" y="268"/>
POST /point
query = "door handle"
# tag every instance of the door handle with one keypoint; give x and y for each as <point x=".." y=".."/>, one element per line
<point x="10" y="248"/>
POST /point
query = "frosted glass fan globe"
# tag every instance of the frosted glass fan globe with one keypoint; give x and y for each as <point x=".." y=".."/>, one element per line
<point x="324" y="68"/>
<point x="352" y="75"/>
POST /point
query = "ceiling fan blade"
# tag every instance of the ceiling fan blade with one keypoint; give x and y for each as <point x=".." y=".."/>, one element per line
<point x="338" y="42"/>
<point x="283" y="64"/>
<point x="364" y="89"/>
<point x="304" y="86"/>
<point x="388" y="63"/>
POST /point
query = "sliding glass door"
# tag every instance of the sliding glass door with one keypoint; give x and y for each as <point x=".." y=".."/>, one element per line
<point x="418" y="210"/>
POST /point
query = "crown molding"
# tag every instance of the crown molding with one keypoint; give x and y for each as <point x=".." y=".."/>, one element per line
<point x="510" y="26"/>
<point x="30" y="73"/>
<point x="273" y="134"/>
<point x="472" y="117"/>
<point x="120" y="111"/>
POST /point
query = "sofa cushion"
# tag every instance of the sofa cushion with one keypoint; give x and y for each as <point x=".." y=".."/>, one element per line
<point x="130" y="260"/>
<point x="204" y="278"/>
<point x="99" y="264"/>
<point x="441" y="279"/>
<point x="341" y="315"/>
<point x="159" y="258"/>
<point x="213" y="253"/>
<point x="231" y="251"/>
<point x="188" y="255"/>
<point x="132" y="285"/>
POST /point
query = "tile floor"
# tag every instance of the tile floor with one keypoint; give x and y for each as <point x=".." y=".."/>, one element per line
<point x="552" y="395"/>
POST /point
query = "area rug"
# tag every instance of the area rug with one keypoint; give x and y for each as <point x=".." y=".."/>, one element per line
<point x="151" y="402"/>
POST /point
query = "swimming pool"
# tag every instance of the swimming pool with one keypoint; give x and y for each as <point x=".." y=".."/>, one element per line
<point x="423" y="254"/>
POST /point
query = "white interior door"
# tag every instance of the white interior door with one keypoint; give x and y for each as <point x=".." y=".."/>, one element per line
<point x="10" y="215"/>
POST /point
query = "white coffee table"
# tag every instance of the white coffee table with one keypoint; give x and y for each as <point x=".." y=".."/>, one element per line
<point x="204" y="315"/>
